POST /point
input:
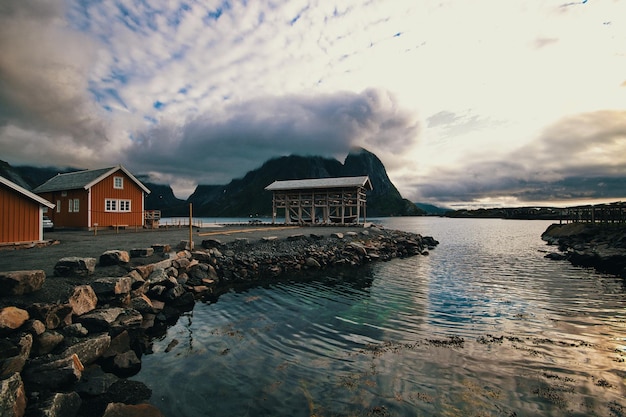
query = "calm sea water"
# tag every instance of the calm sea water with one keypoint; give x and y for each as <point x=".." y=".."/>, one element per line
<point x="483" y="326"/>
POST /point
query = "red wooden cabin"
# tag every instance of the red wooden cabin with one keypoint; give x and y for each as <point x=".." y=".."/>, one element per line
<point x="108" y="197"/>
<point x="21" y="214"/>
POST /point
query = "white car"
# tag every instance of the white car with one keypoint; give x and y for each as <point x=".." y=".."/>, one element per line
<point x="47" y="223"/>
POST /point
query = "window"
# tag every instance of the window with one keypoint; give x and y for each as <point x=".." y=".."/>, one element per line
<point x="73" y="205"/>
<point x="117" y="205"/>
<point x="110" y="205"/>
<point x="58" y="206"/>
<point x="118" y="183"/>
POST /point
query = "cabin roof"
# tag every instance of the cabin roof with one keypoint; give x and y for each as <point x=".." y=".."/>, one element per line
<point x="84" y="179"/>
<point x="26" y="193"/>
<point x="317" y="183"/>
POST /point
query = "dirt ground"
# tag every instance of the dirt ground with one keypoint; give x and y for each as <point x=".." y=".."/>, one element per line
<point x="89" y="244"/>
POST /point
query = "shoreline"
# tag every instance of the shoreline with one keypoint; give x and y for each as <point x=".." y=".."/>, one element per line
<point x="588" y="245"/>
<point x="93" y="318"/>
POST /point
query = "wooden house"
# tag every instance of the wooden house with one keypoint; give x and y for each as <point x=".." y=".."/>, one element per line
<point x="21" y="214"/>
<point x="108" y="197"/>
<point x="321" y="200"/>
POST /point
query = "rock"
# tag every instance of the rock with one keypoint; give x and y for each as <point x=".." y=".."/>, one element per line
<point x="269" y="238"/>
<point x="184" y="245"/>
<point x="106" y="287"/>
<point x="161" y="248"/>
<point x="75" y="266"/>
<point x="52" y="315"/>
<point x="211" y="243"/>
<point x="295" y="237"/>
<point x="119" y="344"/>
<point x="83" y="300"/>
<point x="95" y="381"/>
<point x="12" y="397"/>
<point x="46" y="342"/>
<point x="13" y="356"/>
<point x="316" y="236"/>
<point x="21" y="282"/>
<point x="143" y="304"/>
<point x="100" y="319"/>
<point x="142" y="252"/>
<point x="40" y="375"/>
<point x="75" y="329"/>
<point x="90" y="349"/>
<point x="160" y="277"/>
<point x="126" y="410"/>
<point x="337" y="235"/>
<point x="12" y="318"/>
<point x="312" y="263"/>
<point x="61" y="405"/>
<point x="555" y="256"/>
<point x="128" y="318"/>
<point x="126" y="364"/>
<point x="114" y="257"/>
<point x="35" y="327"/>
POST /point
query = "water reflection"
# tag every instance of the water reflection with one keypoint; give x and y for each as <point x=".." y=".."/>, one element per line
<point x="480" y="327"/>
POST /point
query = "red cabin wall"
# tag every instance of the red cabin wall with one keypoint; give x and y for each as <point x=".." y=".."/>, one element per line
<point x="20" y="217"/>
<point x="105" y="190"/>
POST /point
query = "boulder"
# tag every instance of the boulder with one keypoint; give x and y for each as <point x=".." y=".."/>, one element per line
<point x="75" y="266"/>
<point x="95" y="381"/>
<point x="114" y="257"/>
<point x="52" y="315"/>
<point x="211" y="243"/>
<point x="126" y="364"/>
<point x="83" y="300"/>
<point x="58" y="374"/>
<point x="105" y="287"/>
<point x="161" y="248"/>
<point x="130" y="410"/>
<point x="141" y="252"/>
<point x="100" y="319"/>
<point x="337" y="235"/>
<point x="90" y="349"/>
<point x="12" y="318"/>
<point x="46" y="342"/>
<point x="312" y="263"/>
<point x="184" y="245"/>
<point x="21" y="282"/>
<point x="12" y="397"/>
<point x="13" y="356"/>
<point x="61" y="405"/>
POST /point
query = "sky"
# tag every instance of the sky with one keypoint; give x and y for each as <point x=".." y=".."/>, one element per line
<point x="476" y="103"/>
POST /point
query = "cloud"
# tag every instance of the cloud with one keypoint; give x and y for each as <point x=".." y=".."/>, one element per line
<point x="579" y="157"/>
<point x="214" y="148"/>
<point x="45" y="106"/>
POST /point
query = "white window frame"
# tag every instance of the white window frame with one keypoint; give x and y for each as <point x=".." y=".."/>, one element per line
<point x="114" y="205"/>
<point x="58" y="206"/>
<point x="73" y="205"/>
<point x="118" y="183"/>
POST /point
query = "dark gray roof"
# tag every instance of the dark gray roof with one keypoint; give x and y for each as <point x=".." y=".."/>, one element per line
<point x="340" y="182"/>
<point x="82" y="179"/>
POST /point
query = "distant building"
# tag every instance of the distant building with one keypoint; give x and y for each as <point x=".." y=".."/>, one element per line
<point x="21" y="214"/>
<point x="108" y="197"/>
<point x="322" y="200"/>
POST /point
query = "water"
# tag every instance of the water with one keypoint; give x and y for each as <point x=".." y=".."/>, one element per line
<point x="483" y="326"/>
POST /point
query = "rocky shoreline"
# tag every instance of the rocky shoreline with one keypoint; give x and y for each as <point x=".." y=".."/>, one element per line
<point x="598" y="246"/>
<point x="74" y="356"/>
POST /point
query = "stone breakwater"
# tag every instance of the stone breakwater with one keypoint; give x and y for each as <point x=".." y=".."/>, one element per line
<point x="598" y="246"/>
<point x="74" y="357"/>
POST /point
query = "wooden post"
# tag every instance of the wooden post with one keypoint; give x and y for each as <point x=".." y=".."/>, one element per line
<point x="190" y="227"/>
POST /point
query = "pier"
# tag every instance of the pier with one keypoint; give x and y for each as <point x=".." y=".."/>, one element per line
<point x="595" y="213"/>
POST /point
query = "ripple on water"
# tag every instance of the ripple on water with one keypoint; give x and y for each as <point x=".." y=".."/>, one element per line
<point x="484" y="325"/>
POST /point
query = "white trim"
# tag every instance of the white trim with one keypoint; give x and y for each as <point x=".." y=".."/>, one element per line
<point x="25" y="192"/>
<point x="40" y="222"/>
<point x="112" y="171"/>
<point x="89" y="207"/>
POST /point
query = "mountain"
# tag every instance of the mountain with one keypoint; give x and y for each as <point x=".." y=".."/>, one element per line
<point x="247" y="196"/>
<point x="30" y="177"/>
<point x="432" y="209"/>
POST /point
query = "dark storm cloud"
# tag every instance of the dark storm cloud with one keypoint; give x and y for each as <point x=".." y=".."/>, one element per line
<point x="216" y="148"/>
<point x="44" y="99"/>
<point x="578" y="157"/>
